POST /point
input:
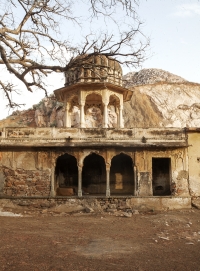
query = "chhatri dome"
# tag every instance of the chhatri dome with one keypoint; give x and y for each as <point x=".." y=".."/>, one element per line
<point x="93" y="95"/>
<point x="95" y="68"/>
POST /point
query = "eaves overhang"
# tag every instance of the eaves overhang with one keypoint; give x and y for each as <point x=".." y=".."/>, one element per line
<point x="60" y="93"/>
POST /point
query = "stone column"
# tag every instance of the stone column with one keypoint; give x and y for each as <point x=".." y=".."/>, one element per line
<point x="186" y="168"/>
<point x="67" y="116"/>
<point x="121" y="121"/>
<point x="3" y="132"/>
<point x="82" y="115"/>
<point x="105" y="116"/>
<point x="117" y="112"/>
<point x="80" y="181"/>
<point x="107" y="180"/>
<point x="135" y="180"/>
<point x="52" y="177"/>
<point x="81" y="75"/>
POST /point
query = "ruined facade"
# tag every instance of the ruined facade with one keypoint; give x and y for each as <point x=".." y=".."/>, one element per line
<point x="91" y="155"/>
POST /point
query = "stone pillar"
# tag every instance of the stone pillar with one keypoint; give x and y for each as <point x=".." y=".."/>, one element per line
<point x="52" y="177"/>
<point x="135" y="180"/>
<point x="80" y="181"/>
<point x="121" y="121"/>
<point x="67" y="116"/>
<point x="3" y="132"/>
<point x="81" y="75"/>
<point x="117" y="112"/>
<point x="82" y="116"/>
<point x="107" y="180"/>
<point x="186" y="168"/>
<point x="105" y="116"/>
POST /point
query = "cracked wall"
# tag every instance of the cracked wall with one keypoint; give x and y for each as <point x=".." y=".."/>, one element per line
<point x="20" y="175"/>
<point x="32" y="173"/>
<point x="178" y="179"/>
<point x="194" y="163"/>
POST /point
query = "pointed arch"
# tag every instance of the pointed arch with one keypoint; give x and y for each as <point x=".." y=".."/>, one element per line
<point x="73" y="100"/>
<point x="66" y="175"/>
<point x="122" y="175"/>
<point x="94" y="174"/>
<point x="113" y="112"/>
<point x="93" y="92"/>
<point x="114" y="99"/>
<point x="93" y="111"/>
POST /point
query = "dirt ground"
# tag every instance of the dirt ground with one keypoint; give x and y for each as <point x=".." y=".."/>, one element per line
<point x="85" y="242"/>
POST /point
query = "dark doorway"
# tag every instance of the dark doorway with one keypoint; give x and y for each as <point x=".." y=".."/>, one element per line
<point x="161" y="176"/>
<point x="121" y="175"/>
<point x="94" y="175"/>
<point x="66" y="175"/>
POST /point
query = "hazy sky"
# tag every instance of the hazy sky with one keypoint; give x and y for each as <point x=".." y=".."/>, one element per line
<point x="174" y="30"/>
<point x="173" y="27"/>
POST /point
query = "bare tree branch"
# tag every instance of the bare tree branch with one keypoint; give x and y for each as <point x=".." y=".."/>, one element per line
<point x="29" y="43"/>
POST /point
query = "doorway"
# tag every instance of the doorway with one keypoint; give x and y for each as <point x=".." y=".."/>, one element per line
<point x="94" y="175"/>
<point x="121" y="175"/>
<point x="161" y="168"/>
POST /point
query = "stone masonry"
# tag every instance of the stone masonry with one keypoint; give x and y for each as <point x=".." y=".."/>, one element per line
<point x="23" y="183"/>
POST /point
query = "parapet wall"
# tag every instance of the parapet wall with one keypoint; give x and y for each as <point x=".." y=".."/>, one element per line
<point x="70" y="136"/>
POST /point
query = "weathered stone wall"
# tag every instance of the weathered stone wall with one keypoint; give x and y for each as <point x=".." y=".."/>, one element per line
<point x="31" y="173"/>
<point x="178" y="171"/>
<point x="24" y="173"/>
<point x="194" y="163"/>
<point x="21" y="182"/>
<point x="158" y="135"/>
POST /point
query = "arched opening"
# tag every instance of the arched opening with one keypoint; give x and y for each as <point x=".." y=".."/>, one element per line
<point x="74" y="112"/>
<point x="66" y="172"/>
<point x="93" y="111"/>
<point x="113" y="113"/>
<point x="122" y="175"/>
<point x="94" y="175"/>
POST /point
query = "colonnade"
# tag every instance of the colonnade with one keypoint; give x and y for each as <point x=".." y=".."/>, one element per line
<point x="105" y="103"/>
<point x="67" y="123"/>
<point x="107" y="190"/>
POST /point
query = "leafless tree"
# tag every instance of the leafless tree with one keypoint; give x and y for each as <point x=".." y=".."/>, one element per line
<point x="31" y="43"/>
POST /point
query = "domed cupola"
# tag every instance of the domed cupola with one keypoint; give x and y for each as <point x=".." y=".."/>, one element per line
<point x="95" y="68"/>
<point x="93" y="95"/>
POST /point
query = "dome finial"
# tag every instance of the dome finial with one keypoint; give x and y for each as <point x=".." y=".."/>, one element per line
<point x="95" y="49"/>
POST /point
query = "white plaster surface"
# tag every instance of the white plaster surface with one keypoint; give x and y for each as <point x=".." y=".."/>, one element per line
<point x="2" y="213"/>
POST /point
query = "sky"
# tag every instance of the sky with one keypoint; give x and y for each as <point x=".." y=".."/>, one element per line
<point x="173" y="29"/>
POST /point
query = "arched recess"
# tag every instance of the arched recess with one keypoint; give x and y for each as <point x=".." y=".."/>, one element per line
<point x="74" y="112"/>
<point x="93" y="111"/>
<point x="94" y="175"/>
<point x="122" y="175"/>
<point x="73" y="100"/>
<point x="113" y="111"/>
<point x="66" y="175"/>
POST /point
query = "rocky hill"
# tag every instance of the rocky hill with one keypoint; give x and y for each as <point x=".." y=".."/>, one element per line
<point x="160" y="99"/>
<point x="47" y="111"/>
<point x="150" y="76"/>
